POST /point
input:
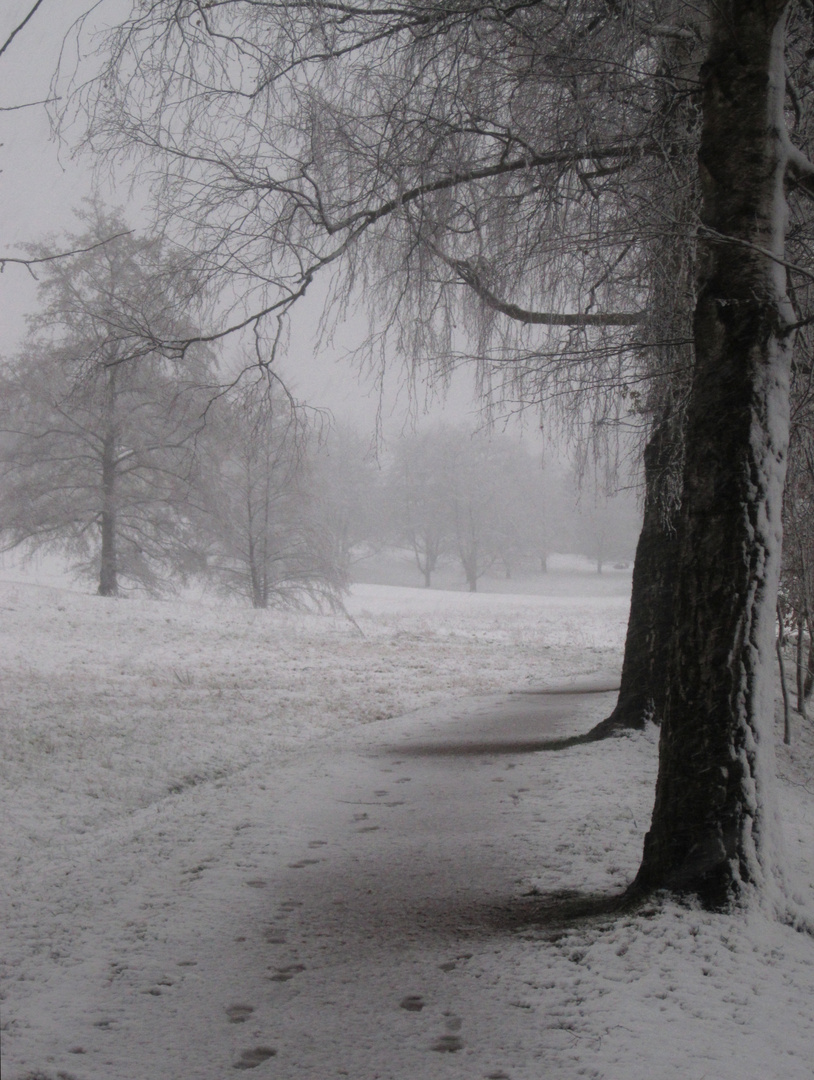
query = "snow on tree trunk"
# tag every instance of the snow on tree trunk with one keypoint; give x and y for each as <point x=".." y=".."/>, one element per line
<point x="713" y="831"/>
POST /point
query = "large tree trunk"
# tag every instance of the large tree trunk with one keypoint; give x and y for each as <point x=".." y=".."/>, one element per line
<point x="641" y="692"/>
<point x="712" y="827"/>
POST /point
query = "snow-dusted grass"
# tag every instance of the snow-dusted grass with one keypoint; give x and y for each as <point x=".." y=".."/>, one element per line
<point x="223" y="832"/>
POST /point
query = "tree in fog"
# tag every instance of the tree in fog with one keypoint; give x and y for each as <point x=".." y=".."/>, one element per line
<point x="604" y="519"/>
<point x="797" y="574"/>
<point x="347" y="482"/>
<point x="420" y="496"/>
<point x="478" y="498"/>
<point x="264" y="529"/>
<point x="97" y="425"/>
<point x="492" y="504"/>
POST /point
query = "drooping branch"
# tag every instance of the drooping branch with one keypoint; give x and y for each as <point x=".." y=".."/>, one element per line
<point x="470" y="276"/>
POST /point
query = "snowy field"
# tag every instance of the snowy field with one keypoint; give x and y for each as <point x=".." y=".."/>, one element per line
<point x="316" y="847"/>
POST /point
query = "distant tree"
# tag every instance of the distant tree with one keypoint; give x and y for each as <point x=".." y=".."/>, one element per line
<point x="606" y="524"/>
<point x="348" y="484"/>
<point x="478" y="497"/>
<point x="493" y="515"/>
<point x="524" y="508"/>
<point x="97" y="423"/>
<point x="264" y="529"/>
<point x="420" y="496"/>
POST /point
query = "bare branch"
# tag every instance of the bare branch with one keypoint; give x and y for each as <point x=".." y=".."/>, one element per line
<point x="17" y="29"/>
<point x="28" y="104"/>
<point x="38" y="261"/>
<point x="457" y="179"/>
<point x="740" y="242"/>
<point x="469" y="276"/>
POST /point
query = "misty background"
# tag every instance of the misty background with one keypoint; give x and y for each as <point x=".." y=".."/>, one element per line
<point x="393" y="504"/>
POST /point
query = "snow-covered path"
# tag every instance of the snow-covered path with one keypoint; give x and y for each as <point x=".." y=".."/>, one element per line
<point x="337" y="909"/>
<point x="217" y="867"/>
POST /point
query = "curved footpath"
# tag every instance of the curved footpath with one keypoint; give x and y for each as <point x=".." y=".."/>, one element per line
<point x="354" y="909"/>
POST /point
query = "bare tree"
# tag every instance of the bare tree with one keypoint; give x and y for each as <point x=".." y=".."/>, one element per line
<point x="606" y="522"/>
<point x="97" y="425"/>
<point x="347" y="484"/>
<point x="797" y="576"/>
<point x="266" y="533"/>
<point x="490" y="486"/>
<point x="419" y="496"/>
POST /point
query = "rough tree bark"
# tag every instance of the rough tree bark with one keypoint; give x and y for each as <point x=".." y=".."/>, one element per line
<point x="712" y="828"/>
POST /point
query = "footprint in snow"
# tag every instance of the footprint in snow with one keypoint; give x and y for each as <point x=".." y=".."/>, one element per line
<point x="250" y="1059"/>
<point x="317" y="843"/>
<point x="301" y="863"/>
<point x="239" y="1014"/>
<point x="412" y="1003"/>
<point x="368" y="828"/>
<point x="284" y="974"/>
<point x="448" y="1044"/>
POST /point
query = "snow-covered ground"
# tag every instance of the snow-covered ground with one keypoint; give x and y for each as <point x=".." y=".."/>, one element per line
<point x="321" y="848"/>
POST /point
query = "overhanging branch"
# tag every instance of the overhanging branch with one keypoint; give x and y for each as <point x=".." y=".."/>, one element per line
<point x="470" y="277"/>
<point x="468" y="176"/>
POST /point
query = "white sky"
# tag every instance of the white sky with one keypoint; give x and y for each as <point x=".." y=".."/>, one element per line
<point x="40" y="184"/>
